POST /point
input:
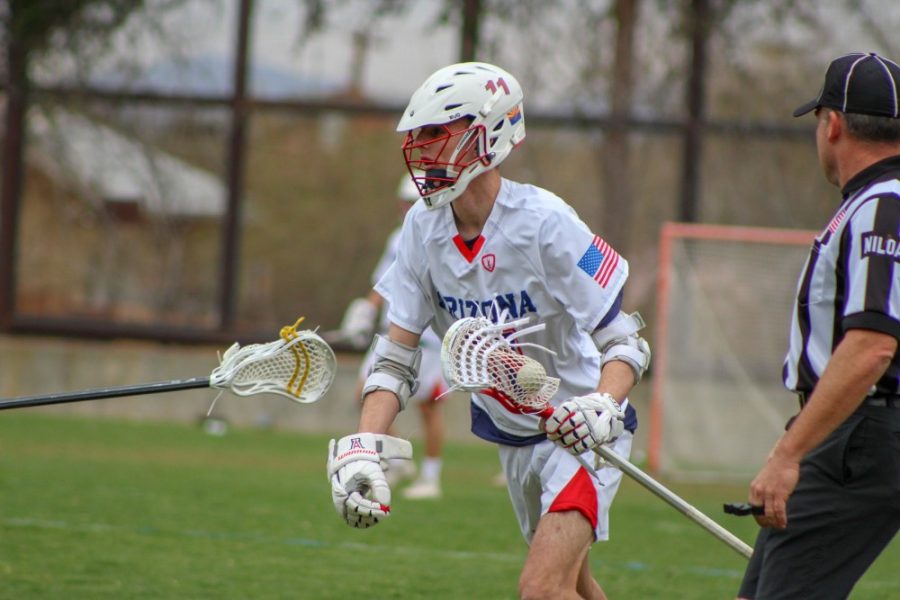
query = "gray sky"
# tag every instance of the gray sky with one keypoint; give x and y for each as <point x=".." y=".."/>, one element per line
<point x="549" y="54"/>
<point x="398" y="62"/>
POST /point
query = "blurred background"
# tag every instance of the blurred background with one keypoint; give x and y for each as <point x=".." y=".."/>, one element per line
<point x="180" y="174"/>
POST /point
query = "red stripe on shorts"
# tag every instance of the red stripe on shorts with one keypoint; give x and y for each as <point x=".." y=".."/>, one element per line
<point x="579" y="494"/>
<point x="436" y="391"/>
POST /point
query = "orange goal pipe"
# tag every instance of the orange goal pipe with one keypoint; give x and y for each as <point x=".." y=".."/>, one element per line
<point x="660" y="340"/>
<point x="668" y="233"/>
<point x="732" y="233"/>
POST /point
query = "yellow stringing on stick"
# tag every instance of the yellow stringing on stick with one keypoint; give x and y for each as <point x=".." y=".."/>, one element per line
<point x="288" y="333"/>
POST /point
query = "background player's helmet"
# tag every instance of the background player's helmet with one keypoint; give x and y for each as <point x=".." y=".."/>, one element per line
<point x="407" y="190"/>
<point x="487" y="94"/>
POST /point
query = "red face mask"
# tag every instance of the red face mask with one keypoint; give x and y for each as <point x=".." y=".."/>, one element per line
<point x="438" y="161"/>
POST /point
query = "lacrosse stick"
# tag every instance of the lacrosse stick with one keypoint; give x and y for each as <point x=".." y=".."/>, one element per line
<point x="476" y="357"/>
<point x="299" y="366"/>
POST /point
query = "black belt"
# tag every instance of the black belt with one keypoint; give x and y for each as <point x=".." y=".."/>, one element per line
<point x="881" y="400"/>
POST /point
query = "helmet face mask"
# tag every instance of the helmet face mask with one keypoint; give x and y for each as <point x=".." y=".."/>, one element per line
<point x="436" y="161"/>
<point x="464" y="120"/>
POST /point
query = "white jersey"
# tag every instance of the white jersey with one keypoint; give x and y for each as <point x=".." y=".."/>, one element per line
<point x="534" y="257"/>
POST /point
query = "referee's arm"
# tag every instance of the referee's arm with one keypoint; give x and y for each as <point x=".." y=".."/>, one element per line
<point x="858" y="362"/>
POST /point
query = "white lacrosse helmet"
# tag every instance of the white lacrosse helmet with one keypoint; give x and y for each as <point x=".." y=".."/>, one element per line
<point x="488" y="95"/>
<point x="407" y="190"/>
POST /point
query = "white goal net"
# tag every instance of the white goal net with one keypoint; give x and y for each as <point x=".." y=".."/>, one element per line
<point x="724" y="309"/>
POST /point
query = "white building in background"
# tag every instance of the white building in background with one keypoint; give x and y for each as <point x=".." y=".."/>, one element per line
<point x="103" y="166"/>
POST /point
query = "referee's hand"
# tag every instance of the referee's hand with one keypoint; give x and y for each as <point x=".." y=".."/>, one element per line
<point x="771" y="488"/>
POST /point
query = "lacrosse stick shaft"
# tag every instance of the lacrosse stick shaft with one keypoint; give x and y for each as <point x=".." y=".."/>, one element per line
<point x="590" y="469"/>
<point x="110" y="392"/>
<point x="675" y="501"/>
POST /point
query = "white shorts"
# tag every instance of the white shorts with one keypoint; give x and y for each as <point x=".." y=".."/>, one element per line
<point x="431" y="379"/>
<point x="545" y="478"/>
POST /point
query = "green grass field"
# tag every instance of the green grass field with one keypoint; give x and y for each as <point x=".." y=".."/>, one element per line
<point x="107" y="509"/>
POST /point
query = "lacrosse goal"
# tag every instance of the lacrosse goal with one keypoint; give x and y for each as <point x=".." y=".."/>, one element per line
<point x="723" y="313"/>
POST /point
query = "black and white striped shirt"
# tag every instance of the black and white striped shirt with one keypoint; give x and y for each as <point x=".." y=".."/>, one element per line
<point x="851" y="279"/>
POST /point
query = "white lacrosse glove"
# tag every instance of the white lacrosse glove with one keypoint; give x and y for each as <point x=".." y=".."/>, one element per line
<point x="358" y="324"/>
<point x="356" y="466"/>
<point x="585" y="422"/>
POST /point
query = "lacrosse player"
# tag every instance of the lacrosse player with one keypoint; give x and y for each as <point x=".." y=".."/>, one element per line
<point x="359" y="324"/>
<point x="482" y="245"/>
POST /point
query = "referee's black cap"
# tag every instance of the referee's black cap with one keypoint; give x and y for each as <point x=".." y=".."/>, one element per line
<point x="861" y="83"/>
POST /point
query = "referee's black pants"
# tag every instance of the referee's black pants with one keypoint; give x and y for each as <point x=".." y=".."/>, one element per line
<point x="843" y="513"/>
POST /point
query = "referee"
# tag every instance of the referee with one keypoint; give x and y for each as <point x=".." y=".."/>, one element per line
<point x="831" y="485"/>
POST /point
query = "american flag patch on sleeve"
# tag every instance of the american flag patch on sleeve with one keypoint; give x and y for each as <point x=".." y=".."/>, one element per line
<point x="836" y="221"/>
<point x="599" y="261"/>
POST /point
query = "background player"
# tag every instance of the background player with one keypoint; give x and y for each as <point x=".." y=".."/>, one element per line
<point x="478" y="241"/>
<point x="357" y="328"/>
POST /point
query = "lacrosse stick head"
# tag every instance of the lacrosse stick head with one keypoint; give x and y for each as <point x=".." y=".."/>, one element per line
<point x="299" y="366"/>
<point x="476" y="357"/>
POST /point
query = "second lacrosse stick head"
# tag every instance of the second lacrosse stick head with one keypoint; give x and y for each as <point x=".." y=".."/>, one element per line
<point x="299" y="366"/>
<point x="476" y="357"/>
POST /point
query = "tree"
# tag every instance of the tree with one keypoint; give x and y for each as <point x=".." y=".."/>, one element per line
<point x="617" y="192"/>
<point x="27" y="28"/>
